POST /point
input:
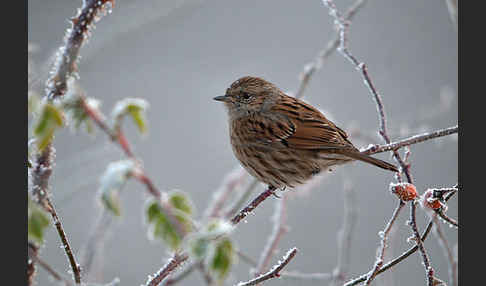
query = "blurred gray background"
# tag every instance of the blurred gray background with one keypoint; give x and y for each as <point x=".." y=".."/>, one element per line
<point x="178" y="55"/>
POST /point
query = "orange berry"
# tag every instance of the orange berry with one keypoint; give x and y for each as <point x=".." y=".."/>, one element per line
<point x="404" y="191"/>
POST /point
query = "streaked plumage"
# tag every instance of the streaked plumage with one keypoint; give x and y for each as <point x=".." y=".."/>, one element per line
<point x="281" y="140"/>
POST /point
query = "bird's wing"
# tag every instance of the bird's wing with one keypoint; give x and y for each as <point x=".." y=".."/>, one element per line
<point x="310" y="128"/>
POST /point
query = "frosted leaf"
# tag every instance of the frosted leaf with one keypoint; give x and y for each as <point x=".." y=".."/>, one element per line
<point x="112" y="181"/>
<point x="135" y="108"/>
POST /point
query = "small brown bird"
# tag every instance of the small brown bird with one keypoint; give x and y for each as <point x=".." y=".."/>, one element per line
<point x="281" y="140"/>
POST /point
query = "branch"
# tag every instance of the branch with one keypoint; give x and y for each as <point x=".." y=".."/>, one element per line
<point x="384" y="239"/>
<point x="343" y="26"/>
<point x="242" y="199"/>
<point x="67" y="248"/>
<point x="447" y="253"/>
<point x="374" y="149"/>
<point x="312" y="67"/>
<point x="279" y="229"/>
<point x="274" y="272"/>
<point x="68" y="54"/>
<point x="33" y="256"/>
<point x="189" y="269"/>
<point x="343" y="49"/>
<point x="95" y="241"/>
<point x="40" y="179"/>
<point x="248" y="209"/>
<point x="400" y="258"/>
<point x="170" y="266"/>
<point x="344" y="235"/>
<point x="229" y="184"/>
<point x="32" y="252"/>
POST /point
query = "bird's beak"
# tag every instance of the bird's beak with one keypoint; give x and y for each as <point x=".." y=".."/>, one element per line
<point x="222" y="98"/>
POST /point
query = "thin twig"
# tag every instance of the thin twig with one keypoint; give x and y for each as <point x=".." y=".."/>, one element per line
<point x="32" y="252"/>
<point x="400" y="258"/>
<point x="405" y="168"/>
<point x="343" y="26"/>
<point x="116" y="136"/>
<point x="174" y="262"/>
<point x="297" y="275"/>
<point x="188" y="270"/>
<point x="248" y="209"/>
<point x="33" y="256"/>
<point x="384" y="239"/>
<point x="374" y="149"/>
<point x="67" y="248"/>
<point x="94" y="242"/>
<point x="68" y="54"/>
<point x="305" y="276"/>
<point x="279" y="229"/>
<point x="447" y="252"/>
<point x="314" y="66"/>
<point x="242" y="199"/>
<point x="344" y="235"/>
<point x="230" y="183"/>
<point x="274" y="272"/>
<point x="448" y="219"/>
<point x="177" y="259"/>
<point x="207" y="277"/>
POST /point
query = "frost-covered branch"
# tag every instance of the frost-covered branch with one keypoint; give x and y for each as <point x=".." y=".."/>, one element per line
<point x="384" y="240"/>
<point x="230" y="183"/>
<point x="314" y="66"/>
<point x="94" y="242"/>
<point x="344" y="235"/>
<point x="40" y="182"/>
<point x="253" y="204"/>
<point x="274" y="272"/>
<point x="447" y="252"/>
<point x="32" y="249"/>
<point x="68" y="54"/>
<point x="403" y="256"/>
<point x="117" y="136"/>
<point x="188" y="270"/>
<point x="373" y="149"/>
<point x="174" y="262"/>
<point x="279" y="229"/>
<point x="235" y="207"/>
<point x="343" y="28"/>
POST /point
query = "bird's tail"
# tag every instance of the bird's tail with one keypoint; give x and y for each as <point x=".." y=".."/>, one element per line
<point x="368" y="159"/>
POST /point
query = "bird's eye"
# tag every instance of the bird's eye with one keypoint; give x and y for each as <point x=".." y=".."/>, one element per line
<point x="245" y="95"/>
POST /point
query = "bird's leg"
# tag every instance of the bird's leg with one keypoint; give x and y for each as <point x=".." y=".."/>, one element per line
<point x="274" y="191"/>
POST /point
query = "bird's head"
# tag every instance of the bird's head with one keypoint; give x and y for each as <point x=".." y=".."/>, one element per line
<point x="248" y="94"/>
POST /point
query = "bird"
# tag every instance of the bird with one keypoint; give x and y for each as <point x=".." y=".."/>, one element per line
<point x="283" y="141"/>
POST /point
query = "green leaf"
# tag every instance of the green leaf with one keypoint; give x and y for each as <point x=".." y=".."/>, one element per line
<point x="76" y="113"/>
<point x="112" y="180"/>
<point x="200" y="243"/>
<point x="222" y="258"/>
<point x="198" y="246"/>
<point x="49" y="120"/>
<point x="181" y="201"/>
<point x="38" y="220"/>
<point x="160" y="226"/>
<point x="135" y="108"/>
